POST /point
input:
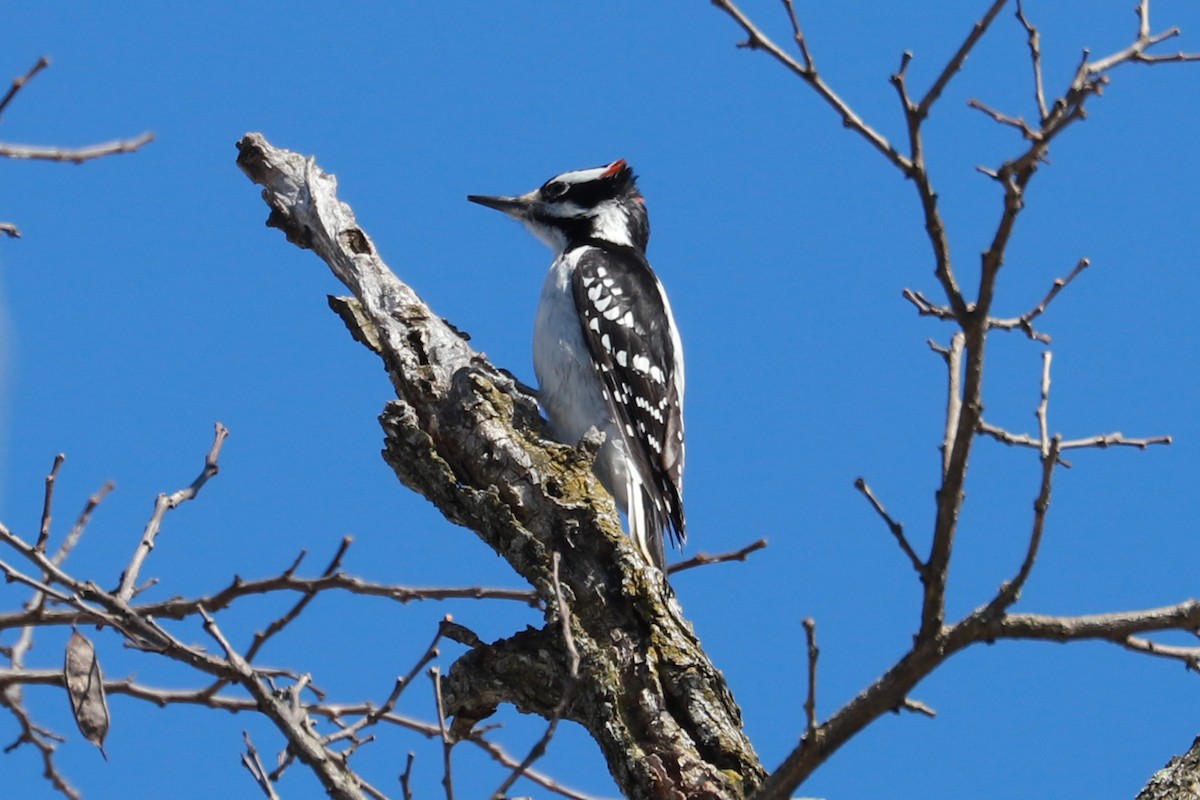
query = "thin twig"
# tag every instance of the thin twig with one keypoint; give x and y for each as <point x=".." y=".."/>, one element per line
<point x="42" y="740"/>
<point x="20" y="81"/>
<point x="1099" y="441"/>
<point x="703" y="559"/>
<point x="278" y="624"/>
<point x="1117" y="439"/>
<point x="1010" y="592"/>
<point x="570" y="681"/>
<point x="164" y="504"/>
<point x="1025" y="321"/>
<point x="807" y="71"/>
<point x="283" y="621"/>
<point x="1019" y="123"/>
<point x="502" y="757"/>
<point x="373" y="716"/>
<point x="75" y="155"/>
<point x="917" y="707"/>
<point x="958" y="59"/>
<point x="435" y="675"/>
<point x="1043" y="410"/>
<point x="254" y="765"/>
<point x="953" y="356"/>
<point x="895" y="527"/>
<point x="801" y="42"/>
<point x="1035" y="55"/>
<point x="810" y="701"/>
<point x="183" y="607"/>
<point x="406" y="776"/>
<point x="1136" y="52"/>
<point x="81" y="523"/>
<point x="48" y="501"/>
<point x="1190" y="656"/>
<point x="927" y="308"/>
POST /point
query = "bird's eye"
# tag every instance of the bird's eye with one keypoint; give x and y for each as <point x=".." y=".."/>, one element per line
<point x="554" y="190"/>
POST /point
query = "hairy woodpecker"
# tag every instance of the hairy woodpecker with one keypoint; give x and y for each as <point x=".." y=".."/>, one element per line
<point x="605" y="347"/>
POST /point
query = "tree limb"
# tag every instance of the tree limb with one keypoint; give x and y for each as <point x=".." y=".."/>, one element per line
<point x="462" y="434"/>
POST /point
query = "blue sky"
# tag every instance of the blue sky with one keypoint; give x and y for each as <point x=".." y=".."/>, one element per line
<point x="147" y="300"/>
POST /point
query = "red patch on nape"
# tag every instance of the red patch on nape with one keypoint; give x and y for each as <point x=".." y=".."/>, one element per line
<point x="640" y="199"/>
<point x="614" y="168"/>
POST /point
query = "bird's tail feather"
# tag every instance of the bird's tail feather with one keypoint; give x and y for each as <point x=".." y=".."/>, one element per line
<point x="645" y="523"/>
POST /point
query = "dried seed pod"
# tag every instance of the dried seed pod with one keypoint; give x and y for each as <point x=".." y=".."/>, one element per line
<point x="85" y="688"/>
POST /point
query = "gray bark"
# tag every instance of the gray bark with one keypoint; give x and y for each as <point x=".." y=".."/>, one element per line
<point x="1178" y="780"/>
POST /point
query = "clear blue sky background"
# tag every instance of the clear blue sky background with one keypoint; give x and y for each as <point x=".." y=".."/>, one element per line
<point x="147" y="300"/>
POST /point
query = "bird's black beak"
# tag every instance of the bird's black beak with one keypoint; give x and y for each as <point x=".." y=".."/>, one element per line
<point x="513" y="206"/>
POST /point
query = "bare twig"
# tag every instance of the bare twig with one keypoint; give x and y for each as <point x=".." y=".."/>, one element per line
<point x="1136" y="52"/>
<point x="953" y="356"/>
<point x="435" y="675"/>
<point x="164" y="504"/>
<point x="927" y="308"/>
<point x="917" y="707"/>
<point x="1043" y="409"/>
<point x="1004" y="119"/>
<point x="958" y="59"/>
<point x="1025" y="321"/>
<point x="183" y="607"/>
<point x="1035" y="56"/>
<point x="1010" y="592"/>
<point x="282" y="622"/>
<point x="75" y="155"/>
<point x="801" y="42"/>
<point x="406" y="776"/>
<point x="895" y="527"/>
<point x="373" y="716"/>
<point x="1115" y="440"/>
<point x="703" y="559"/>
<point x="807" y="71"/>
<point x="81" y="523"/>
<point x="810" y="700"/>
<point x="1100" y="441"/>
<point x="570" y="681"/>
<point x="1189" y="656"/>
<point x="48" y="501"/>
<point x="20" y="81"/>
<point x="254" y="765"/>
<point x="42" y="740"/>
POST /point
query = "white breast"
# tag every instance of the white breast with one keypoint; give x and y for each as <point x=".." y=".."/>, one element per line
<point x="570" y="389"/>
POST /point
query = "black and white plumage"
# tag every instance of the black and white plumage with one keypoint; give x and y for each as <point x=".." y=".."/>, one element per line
<point x="606" y="350"/>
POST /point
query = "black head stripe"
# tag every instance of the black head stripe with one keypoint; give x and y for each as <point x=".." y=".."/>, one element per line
<point x="616" y="184"/>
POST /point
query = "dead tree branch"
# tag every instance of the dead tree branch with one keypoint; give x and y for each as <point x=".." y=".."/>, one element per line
<point x="462" y="434"/>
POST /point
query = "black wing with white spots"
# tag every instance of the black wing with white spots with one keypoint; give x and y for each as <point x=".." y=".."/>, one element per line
<point x="628" y="331"/>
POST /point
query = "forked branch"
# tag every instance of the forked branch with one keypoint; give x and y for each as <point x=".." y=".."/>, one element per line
<point x="936" y="640"/>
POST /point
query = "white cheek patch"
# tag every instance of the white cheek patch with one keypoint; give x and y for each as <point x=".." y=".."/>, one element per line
<point x="611" y="223"/>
